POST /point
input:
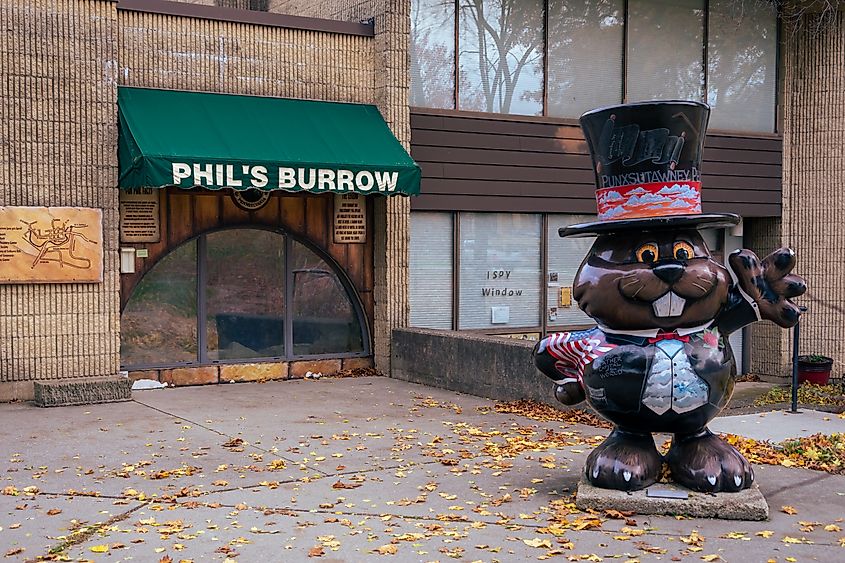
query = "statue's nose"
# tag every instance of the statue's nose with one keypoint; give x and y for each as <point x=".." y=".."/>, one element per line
<point x="670" y="273"/>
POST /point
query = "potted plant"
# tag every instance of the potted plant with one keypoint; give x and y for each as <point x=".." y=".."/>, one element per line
<point x="814" y="368"/>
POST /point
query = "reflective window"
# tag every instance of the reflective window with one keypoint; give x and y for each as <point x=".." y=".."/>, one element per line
<point x="159" y="323"/>
<point x="500" y="56"/>
<point x="432" y="48"/>
<point x="431" y="263"/>
<point x="500" y="270"/>
<point x="241" y="311"/>
<point x="665" y="58"/>
<point x="245" y="295"/>
<point x="323" y="318"/>
<point x="741" y="65"/>
<point x="585" y="55"/>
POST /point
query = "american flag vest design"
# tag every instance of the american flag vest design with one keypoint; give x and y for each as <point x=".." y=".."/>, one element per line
<point x="573" y="351"/>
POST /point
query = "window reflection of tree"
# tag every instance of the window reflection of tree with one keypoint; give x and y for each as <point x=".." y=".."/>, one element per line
<point x="665" y="55"/>
<point x="501" y="56"/>
<point x="741" y="64"/>
<point x="433" y="53"/>
<point x="585" y="55"/>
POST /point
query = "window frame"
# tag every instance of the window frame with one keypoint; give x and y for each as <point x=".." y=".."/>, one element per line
<point x="288" y="239"/>
<point x="776" y="109"/>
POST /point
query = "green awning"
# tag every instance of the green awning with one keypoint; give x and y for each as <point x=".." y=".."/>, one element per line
<point x="188" y="139"/>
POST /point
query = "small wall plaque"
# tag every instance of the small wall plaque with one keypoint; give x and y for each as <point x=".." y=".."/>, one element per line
<point x="350" y="219"/>
<point x="140" y="220"/>
<point x="51" y="244"/>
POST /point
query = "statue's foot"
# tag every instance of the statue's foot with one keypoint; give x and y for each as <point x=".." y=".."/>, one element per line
<point x="704" y="462"/>
<point x="625" y="461"/>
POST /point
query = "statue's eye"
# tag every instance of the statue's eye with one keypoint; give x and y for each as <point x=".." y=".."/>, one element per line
<point x="683" y="250"/>
<point x="647" y="253"/>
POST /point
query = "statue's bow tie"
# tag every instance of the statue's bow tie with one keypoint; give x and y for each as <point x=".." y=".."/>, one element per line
<point x="662" y="335"/>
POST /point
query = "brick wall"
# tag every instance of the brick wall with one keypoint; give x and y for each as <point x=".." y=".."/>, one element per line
<point x="162" y="51"/>
<point x="58" y="132"/>
<point x="813" y="176"/>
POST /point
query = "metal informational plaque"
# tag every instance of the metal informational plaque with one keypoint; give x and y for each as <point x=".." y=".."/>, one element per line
<point x="658" y="491"/>
<point x="51" y="244"/>
<point x="139" y="215"/>
<point x="350" y="219"/>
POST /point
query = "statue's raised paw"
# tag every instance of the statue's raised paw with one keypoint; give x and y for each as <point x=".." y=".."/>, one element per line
<point x="624" y="461"/>
<point x="704" y="462"/>
<point x="770" y="284"/>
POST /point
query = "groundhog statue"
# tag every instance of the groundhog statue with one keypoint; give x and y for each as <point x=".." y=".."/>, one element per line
<point x="659" y="359"/>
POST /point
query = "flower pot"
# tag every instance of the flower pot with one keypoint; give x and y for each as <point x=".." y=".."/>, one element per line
<point x="814" y="369"/>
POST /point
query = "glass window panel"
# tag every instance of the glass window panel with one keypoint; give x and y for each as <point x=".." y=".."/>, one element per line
<point x="324" y="320"/>
<point x="585" y="55"/>
<point x="501" y="56"/>
<point x="665" y="50"/>
<point x="431" y="258"/>
<point x="159" y="323"/>
<point x="245" y="299"/>
<point x="433" y="53"/>
<point x="565" y="257"/>
<point x="741" y="61"/>
<point x="500" y="270"/>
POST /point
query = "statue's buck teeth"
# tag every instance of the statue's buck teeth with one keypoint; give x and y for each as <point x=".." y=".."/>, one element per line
<point x="670" y="305"/>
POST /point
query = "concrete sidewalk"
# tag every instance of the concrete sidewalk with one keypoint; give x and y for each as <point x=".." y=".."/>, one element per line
<point x="350" y="470"/>
<point x="777" y="426"/>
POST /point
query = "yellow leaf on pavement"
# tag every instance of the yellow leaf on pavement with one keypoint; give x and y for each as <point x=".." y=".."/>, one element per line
<point x="538" y="542"/>
<point x="99" y="548"/>
<point x="388" y="549"/>
<point x="788" y="509"/>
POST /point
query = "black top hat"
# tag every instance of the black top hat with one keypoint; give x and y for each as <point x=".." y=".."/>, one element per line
<point x="647" y="160"/>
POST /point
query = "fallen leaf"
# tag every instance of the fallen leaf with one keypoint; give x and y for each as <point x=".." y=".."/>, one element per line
<point x="388" y="549"/>
<point x="54" y="511"/>
<point x="15" y="551"/>
<point x="316" y="551"/>
<point x="538" y="542"/>
<point x="99" y="548"/>
<point x="788" y="509"/>
<point x="342" y="485"/>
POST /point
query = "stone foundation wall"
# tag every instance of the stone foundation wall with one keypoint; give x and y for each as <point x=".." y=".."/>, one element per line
<point x="486" y="366"/>
<point x="239" y="373"/>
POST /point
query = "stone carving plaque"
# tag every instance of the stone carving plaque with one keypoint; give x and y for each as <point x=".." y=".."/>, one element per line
<point x="51" y="244"/>
<point x="139" y="215"/>
<point x="350" y="219"/>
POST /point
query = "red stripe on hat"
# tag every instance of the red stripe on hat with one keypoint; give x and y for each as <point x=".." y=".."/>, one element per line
<point x="656" y="199"/>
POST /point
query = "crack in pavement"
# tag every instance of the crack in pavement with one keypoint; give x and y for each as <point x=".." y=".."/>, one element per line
<point x="223" y="434"/>
<point x="83" y="536"/>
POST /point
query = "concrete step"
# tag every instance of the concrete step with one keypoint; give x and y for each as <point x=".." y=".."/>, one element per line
<point x="82" y="391"/>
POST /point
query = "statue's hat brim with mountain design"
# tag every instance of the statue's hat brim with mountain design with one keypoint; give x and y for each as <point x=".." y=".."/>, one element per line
<point x="647" y="161"/>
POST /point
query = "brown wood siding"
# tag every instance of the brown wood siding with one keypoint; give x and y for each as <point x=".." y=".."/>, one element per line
<point x="477" y="162"/>
<point x="187" y="214"/>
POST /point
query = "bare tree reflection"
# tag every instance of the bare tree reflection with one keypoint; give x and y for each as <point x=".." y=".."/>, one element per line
<point x="501" y="55"/>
